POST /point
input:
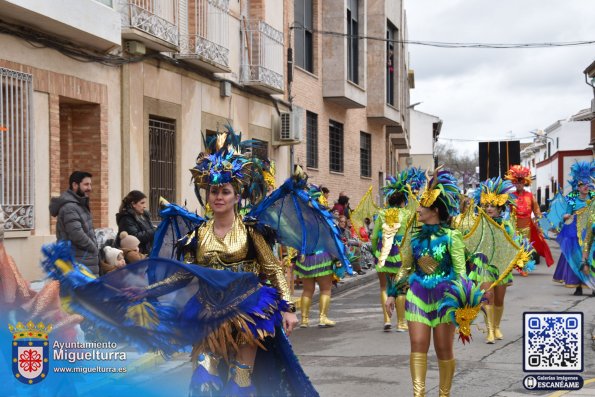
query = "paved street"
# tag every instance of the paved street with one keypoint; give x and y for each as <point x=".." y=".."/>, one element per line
<point x="357" y="358"/>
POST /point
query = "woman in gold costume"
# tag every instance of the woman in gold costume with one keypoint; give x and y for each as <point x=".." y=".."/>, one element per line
<point x="228" y="297"/>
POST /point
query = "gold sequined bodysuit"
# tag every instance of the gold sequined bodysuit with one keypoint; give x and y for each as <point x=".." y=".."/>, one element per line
<point x="242" y="249"/>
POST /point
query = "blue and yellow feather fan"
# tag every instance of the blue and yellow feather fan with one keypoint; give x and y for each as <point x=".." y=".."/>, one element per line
<point x="463" y="302"/>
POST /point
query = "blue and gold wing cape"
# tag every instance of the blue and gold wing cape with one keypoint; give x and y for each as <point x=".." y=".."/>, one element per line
<point x="194" y="306"/>
<point x="553" y="218"/>
<point x="572" y="238"/>
<point x="290" y="216"/>
<point x="176" y="222"/>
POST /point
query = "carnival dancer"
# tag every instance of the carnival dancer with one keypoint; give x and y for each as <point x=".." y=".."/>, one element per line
<point x="318" y="267"/>
<point x="525" y="205"/>
<point x="436" y="260"/>
<point x="215" y="301"/>
<point x="388" y="232"/>
<point x="581" y="173"/>
<point x="587" y="267"/>
<point x="494" y="198"/>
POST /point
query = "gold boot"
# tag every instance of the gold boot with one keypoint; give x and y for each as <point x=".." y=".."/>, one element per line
<point x="418" y="365"/>
<point x="498" y="310"/>
<point x="447" y="371"/>
<point x="489" y="317"/>
<point x="305" y="304"/>
<point x="325" y="302"/>
<point x="383" y="298"/>
<point x="400" y="306"/>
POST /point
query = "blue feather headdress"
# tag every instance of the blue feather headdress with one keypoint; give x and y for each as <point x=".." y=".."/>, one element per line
<point x="416" y="178"/>
<point x="223" y="162"/>
<point x="495" y="191"/>
<point x="442" y="187"/>
<point x="582" y="172"/>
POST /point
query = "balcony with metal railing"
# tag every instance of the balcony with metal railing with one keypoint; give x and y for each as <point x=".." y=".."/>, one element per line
<point x="262" y="56"/>
<point x="152" y="22"/>
<point x="205" y="40"/>
<point x="88" y="23"/>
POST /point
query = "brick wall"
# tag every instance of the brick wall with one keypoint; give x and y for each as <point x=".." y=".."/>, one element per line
<point x="79" y="140"/>
<point x="76" y="140"/>
<point x="307" y="93"/>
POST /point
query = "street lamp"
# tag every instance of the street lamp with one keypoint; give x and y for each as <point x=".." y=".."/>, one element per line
<point x="543" y="134"/>
<point x="414" y="105"/>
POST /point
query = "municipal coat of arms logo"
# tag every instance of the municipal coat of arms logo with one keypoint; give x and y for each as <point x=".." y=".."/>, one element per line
<point x="30" y="351"/>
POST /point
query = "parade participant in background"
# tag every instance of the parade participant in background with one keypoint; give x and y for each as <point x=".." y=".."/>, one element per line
<point x="318" y="267"/>
<point x="525" y="205"/>
<point x="388" y="232"/>
<point x="570" y="235"/>
<point x="74" y="221"/>
<point x="494" y="198"/>
<point x="134" y="219"/>
<point x="433" y="258"/>
<point x="587" y="267"/>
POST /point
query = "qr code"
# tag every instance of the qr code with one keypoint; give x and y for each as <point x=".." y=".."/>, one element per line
<point x="553" y="342"/>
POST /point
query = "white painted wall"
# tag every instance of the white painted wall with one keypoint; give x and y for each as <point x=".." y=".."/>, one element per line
<point x="67" y="17"/>
<point x="421" y="125"/>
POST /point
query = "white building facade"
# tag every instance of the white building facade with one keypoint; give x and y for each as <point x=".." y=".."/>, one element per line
<point x="425" y="129"/>
<point x="553" y="152"/>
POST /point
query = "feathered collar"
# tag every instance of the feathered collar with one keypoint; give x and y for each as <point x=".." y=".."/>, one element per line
<point x="427" y="231"/>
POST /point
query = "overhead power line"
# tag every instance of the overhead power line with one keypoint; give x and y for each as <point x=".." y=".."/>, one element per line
<point x="484" y="139"/>
<point x="443" y="44"/>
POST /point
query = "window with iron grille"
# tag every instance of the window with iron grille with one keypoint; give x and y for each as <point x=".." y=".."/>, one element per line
<point x="162" y="162"/>
<point x="365" y="152"/>
<point x="335" y="146"/>
<point x="352" y="42"/>
<point x="311" y="140"/>
<point x="304" y="21"/>
<point x="16" y="138"/>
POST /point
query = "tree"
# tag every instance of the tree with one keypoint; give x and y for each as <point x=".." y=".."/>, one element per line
<point x="462" y="165"/>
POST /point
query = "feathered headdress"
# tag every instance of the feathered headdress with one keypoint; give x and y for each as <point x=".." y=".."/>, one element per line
<point x="518" y="173"/>
<point x="223" y="162"/>
<point x="442" y="187"/>
<point x="416" y="178"/>
<point x="496" y="191"/>
<point x="396" y="184"/>
<point x="581" y="172"/>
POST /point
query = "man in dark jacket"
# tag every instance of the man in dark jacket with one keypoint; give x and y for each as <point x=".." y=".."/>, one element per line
<point x="74" y="221"/>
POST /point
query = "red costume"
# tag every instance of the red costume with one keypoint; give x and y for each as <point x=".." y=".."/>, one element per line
<point x="525" y="204"/>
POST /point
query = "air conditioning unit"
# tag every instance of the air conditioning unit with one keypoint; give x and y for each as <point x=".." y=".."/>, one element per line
<point x="287" y="127"/>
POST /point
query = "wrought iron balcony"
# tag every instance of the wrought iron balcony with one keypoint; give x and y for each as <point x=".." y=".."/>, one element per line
<point x="153" y="22"/>
<point x="207" y="42"/>
<point x="262" y="56"/>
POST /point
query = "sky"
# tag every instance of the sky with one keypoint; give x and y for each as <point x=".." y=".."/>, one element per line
<point x="489" y="94"/>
